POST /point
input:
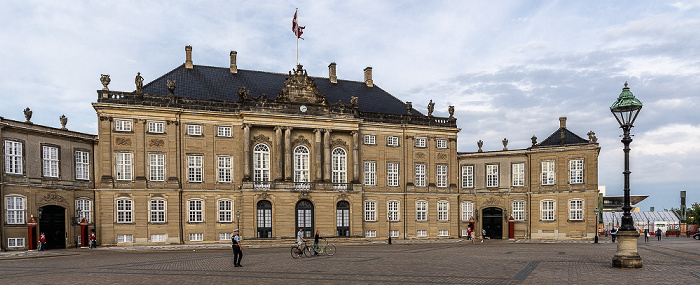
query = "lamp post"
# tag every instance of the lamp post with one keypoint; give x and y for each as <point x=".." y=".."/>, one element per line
<point x="388" y="219"/>
<point x="613" y="217"/>
<point x="625" y="109"/>
<point x="595" y="239"/>
<point x="238" y="221"/>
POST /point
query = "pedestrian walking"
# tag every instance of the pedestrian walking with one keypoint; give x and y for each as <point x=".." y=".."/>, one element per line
<point x="646" y="235"/>
<point x="483" y="235"/>
<point x="469" y="233"/>
<point x="613" y="234"/>
<point x="316" y="237"/>
<point x="42" y="242"/>
<point x="473" y="236"/>
<point x="658" y="234"/>
<point x="237" y="252"/>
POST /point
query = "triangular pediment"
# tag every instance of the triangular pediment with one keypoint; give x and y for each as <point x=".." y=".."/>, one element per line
<point x="300" y="88"/>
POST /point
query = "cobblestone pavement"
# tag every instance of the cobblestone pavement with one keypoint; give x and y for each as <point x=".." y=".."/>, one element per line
<point x="671" y="261"/>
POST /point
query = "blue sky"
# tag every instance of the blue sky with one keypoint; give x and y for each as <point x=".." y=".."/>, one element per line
<point x="511" y="68"/>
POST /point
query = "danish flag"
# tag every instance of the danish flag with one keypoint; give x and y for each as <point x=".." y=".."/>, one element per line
<point x="298" y="30"/>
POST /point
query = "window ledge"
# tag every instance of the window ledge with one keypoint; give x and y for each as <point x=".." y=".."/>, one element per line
<point x="576" y="221"/>
<point x="548" y="221"/>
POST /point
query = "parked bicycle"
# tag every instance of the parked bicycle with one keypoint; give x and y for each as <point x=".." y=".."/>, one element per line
<point x="327" y="249"/>
<point x="301" y="250"/>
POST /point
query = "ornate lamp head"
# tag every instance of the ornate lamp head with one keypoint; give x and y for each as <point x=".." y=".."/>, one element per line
<point x="626" y="108"/>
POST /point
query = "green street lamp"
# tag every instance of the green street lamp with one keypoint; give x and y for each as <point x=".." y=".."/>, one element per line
<point x="595" y="239"/>
<point x="238" y="220"/>
<point x="625" y="109"/>
<point x="389" y="221"/>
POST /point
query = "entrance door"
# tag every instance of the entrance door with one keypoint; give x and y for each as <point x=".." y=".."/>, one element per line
<point x="493" y="222"/>
<point x="264" y="219"/>
<point x="53" y="224"/>
<point x="305" y="217"/>
<point x="342" y="214"/>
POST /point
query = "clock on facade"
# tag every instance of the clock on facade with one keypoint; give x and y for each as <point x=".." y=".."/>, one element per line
<point x="302" y="108"/>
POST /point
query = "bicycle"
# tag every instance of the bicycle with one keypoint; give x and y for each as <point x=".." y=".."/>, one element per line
<point x="327" y="249"/>
<point x="301" y="250"/>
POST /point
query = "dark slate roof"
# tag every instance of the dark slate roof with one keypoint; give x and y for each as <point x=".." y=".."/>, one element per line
<point x="555" y="139"/>
<point x="218" y="83"/>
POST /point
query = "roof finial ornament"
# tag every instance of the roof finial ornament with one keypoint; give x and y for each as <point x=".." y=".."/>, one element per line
<point x="626" y="84"/>
<point x="64" y="121"/>
<point x="534" y="140"/>
<point x="104" y="79"/>
<point x="505" y="144"/>
<point x="28" y="115"/>
<point x="171" y="86"/>
<point x="409" y="106"/>
<point x="480" y="143"/>
<point x="451" y="110"/>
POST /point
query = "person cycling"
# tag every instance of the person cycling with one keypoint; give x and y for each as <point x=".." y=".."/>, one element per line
<point x="300" y="238"/>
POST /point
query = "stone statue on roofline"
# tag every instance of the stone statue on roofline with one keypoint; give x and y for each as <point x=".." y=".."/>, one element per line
<point x="480" y="144"/>
<point x="592" y="138"/>
<point x="431" y="108"/>
<point x="139" y="83"/>
<point x="505" y="144"/>
<point x="28" y="114"/>
<point x="409" y="106"/>
<point x="353" y="101"/>
<point x="534" y="140"/>
<point x="171" y="84"/>
<point x="451" y="110"/>
<point x="64" y="121"/>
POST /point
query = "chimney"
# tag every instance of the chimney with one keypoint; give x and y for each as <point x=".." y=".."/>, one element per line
<point x="368" y="77"/>
<point x="331" y="73"/>
<point x="234" y="68"/>
<point x="562" y="122"/>
<point x="188" y="57"/>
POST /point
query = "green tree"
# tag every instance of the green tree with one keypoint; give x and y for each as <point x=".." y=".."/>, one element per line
<point x="694" y="214"/>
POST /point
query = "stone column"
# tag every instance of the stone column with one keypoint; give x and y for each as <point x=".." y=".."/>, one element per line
<point x="278" y="154"/>
<point x="327" y="155"/>
<point x="317" y="154"/>
<point x="288" y="154"/>
<point x="246" y="152"/>
<point x="355" y="157"/>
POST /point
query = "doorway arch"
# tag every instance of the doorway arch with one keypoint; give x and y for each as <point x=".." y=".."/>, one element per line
<point x="342" y="214"/>
<point x="264" y="209"/>
<point x="53" y="224"/>
<point x="493" y="222"/>
<point x="305" y="217"/>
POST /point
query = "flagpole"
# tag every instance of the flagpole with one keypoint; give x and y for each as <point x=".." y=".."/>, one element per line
<point x="295" y="14"/>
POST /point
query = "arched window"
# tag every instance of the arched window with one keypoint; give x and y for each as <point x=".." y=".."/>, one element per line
<point x="340" y="172"/>
<point x="261" y="163"/>
<point x="264" y="219"/>
<point x="342" y="214"/>
<point x="301" y="164"/>
<point x="305" y="217"/>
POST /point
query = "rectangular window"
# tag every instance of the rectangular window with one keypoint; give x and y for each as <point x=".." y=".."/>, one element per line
<point x="492" y="175"/>
<point x="194" y="168"/>
<point x="196" y="237"/>
<point x="194" y="130"/>
<point x="371" y="234"/>
<point x="421" y="211"/>
<point x="123" y="166"/>
<point x="370" y="139"/>
<point x="223" y="131"/>
<point x="441" y="175"/>
<point x="159" y="237"/>
<point x="394" y="233"/>
<point x="421" y="233"/>
<point x="156" y="162"/>
<point x="155" y="127"/>
<point x="13" y="157"/>
<point x="157" y="211"/>
<point x="518" y="174"/>
<point x="225" y="211"/>
<point x="443" y="233"/>
<point x="125" y="238"/>
<point x="50" y="161"/>
<point x="392" y="141"/>
<point x="15" y="210"/>
<point x="392" y="174"/>
<point x="370" y="211"/>
<point x="82" y="165"/>
<point x="15" y="242"/>
<point x="124" y="210"/>
<point x="443" y="211"/>
<point x="441" y="143"/>
<point x="420" y="175"/>
<point x="548" y="173"/>
<point x="576" y="210"/>
<point x="467" y="211"/>
<point x="519" y="210"/>
<point x="195" y="211"/>
<point x="576" y="171"/>
<point x="82" y="206"/>
<point x="548" y="210"/>
<point x="420" y="142"/>
<point x="370" y="173"/>
<point x="224" y="169"/>
<point x="225" y="236"/>
<point x="122" y="125"/>
<point x="393" y="211"/>
<point x="467" y="176"/>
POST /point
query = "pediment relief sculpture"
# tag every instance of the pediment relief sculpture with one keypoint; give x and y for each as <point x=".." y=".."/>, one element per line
<point x="301" y="140"/>
<point x="339" y="143"/>
<point x="261" y="139"/>
<point x="300" y="88"/>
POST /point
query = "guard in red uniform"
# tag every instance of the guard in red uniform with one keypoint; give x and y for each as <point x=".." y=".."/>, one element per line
<point x="93" y="239"/>
<point x="42" y="242"/>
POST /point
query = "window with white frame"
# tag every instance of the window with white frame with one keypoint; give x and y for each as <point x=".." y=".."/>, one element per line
<point x="159" y="237"/>
<point x="339" y="171"/>
<point x="393" y="210"/>
<point x="370" y="139"/>
<point x="421" y="233"/>
<point x="443" y="233"/>
<point x="518" y="210"/>
<point x="394" y="233"/>
<point x="441" y="143"/>
<point x="301" y="164"/>
<point x="370" y="211"/>
<point x="225" y="236"/>
<point x="197" y="237"/>
<point x="392" y="174"/>
<point x="420" y="142"/>
<point x="15" y="242"/>
<point x="125" y="238"/>
<point x="82" y="165"/>
<point x="123" y="166"/>
<point x="518" y="170"/>
<point x="225" y="211"/>
<point x="467" y="211"/>
<point x="157" y="209"/>
<point x="441" y="175"/>
<point x="421" y="211"/>
<point x="50" y="161"/>
<point x="122" y="125"/>
<point x="83" y="207"/>
<point x="261" y="163"/>
<point x="195" y="211"/>
<point x="370" y="173"/>
<point x="194" y="130"/>
<point x="392" y="141"/>
<point x="443" y="211"/>
<point x="15" y="210"/>
<point x="223" y="131"/>
<point x="156" y="127"/>
<point x="492" y="175"/>
<point x="194" y="168"/>
<point x="371" y="234"/>
<point x="13" y="157"/>
<point x="467" y="176"/>
<point x="548" y="210"/>
<point x="576" y="171"/>
<point x="124" y="210"/>
<point x="548" y="173"/>
<point x="224" y="169"/>
<point x="156" y="165"/>
<point x="576" y="210"/>
<point x="420" y="175"/>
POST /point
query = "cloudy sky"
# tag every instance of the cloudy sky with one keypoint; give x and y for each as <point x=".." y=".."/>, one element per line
<point x="510" y="68"/>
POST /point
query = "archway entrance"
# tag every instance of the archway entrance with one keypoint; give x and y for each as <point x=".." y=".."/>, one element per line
<point x="493" y="222"/>
<point x="53" y="224"/>
<point x="305" y="217"/>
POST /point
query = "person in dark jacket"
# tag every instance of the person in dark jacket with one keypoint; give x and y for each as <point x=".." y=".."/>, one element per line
<point x="316" y="237"/>
<point x="237" y="252"/>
